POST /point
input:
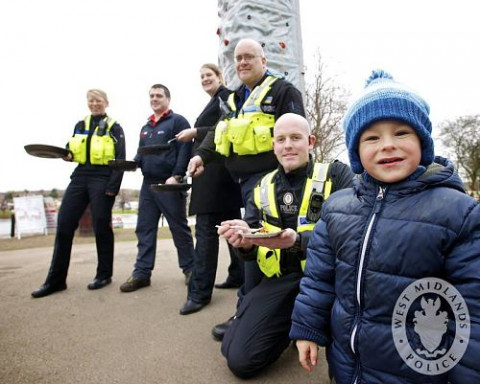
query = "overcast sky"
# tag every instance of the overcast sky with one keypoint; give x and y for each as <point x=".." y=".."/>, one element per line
<point x="53" y="51"/>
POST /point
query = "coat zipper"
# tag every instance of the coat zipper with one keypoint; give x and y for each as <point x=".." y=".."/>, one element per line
<point x="380" y="196"/>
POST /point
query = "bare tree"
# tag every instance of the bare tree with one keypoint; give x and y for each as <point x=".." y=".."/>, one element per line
<point x="326" y="103"/>
<point x="462" y="138"/>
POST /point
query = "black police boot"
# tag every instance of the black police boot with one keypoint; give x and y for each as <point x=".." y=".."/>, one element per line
<point x="47" y="289"/>
<point x="219" y="330"/>
<point x="191" y="306"/>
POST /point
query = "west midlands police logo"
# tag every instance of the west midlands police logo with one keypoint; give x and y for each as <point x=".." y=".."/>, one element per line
<point x="288" y="198"/>
<point x="431" y="326"/>
<point x="287" y="206"/>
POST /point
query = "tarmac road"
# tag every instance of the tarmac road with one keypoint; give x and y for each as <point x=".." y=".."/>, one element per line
<point x="105" y="336"/>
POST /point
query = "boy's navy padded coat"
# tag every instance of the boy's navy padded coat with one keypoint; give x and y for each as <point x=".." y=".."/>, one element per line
<point x="421" y="228"/>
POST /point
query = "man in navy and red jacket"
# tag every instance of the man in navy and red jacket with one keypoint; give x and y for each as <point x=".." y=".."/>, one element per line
<point x="163" y="167"/>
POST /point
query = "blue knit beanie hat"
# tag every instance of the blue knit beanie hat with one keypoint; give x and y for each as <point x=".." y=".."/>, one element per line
<point x="385" y="99"/>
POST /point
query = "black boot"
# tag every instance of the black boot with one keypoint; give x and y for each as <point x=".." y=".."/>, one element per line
<point x="47" y="289"/>
<point x="219" y="330"/>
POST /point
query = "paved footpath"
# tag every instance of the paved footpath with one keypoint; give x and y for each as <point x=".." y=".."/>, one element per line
<point x="80" y="337"/>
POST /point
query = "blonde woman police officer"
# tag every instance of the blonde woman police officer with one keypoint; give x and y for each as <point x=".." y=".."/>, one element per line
<point x="96" y="140"/>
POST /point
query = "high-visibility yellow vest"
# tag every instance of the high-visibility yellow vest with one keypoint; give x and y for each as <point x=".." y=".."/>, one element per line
<point x="102" y="145"/>
<point x="265" y="199"/>
<point x="250" y="132"/>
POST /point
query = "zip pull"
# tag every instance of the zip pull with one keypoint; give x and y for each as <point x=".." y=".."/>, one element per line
<point x="381" y="193"/>
<point x="378" y="199"/>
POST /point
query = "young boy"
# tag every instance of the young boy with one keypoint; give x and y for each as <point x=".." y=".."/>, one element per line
<point x="392" y="280"/>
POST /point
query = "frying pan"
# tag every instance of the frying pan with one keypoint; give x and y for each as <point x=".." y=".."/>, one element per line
<point x="185" y="185"/>
<point x="123" y="165"/>
<point x="181" y="187"/>
<point x="153" y="149"/>
<point x="46" y="151"/>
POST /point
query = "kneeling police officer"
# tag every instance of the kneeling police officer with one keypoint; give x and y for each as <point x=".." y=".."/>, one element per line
<point x="289" y="200"/>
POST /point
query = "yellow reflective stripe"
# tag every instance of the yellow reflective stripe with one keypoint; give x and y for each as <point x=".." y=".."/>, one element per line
<point x="263" y="199"/>
<point x="303" y="263"/>
<point x="265" y="88"/>
<point x="306" y="198"/>
<point x="256" y="97"/>
<point x="317" y="180"/>
<point x="305" y="227"/>
<point x="110" y="122"/>
<point x="259" y="92"/>
<point x="265" y="193"/>
<point x="300" y="228"/>
<point x="327" y="189"/>
<point x="256" y="197"/>
<point x="87" y="122"/>
<point x="231" y="102"/>
<point x="319" y="176"/>
<point x="271" y="197"/>
<point x="271" y="227"/>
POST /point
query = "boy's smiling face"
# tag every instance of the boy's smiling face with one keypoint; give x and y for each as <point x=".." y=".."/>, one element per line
<point x="390" y="151"/>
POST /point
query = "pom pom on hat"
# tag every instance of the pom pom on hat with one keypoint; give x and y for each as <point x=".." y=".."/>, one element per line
<point x="378" y="74"/>
<point x="385" y="99"/>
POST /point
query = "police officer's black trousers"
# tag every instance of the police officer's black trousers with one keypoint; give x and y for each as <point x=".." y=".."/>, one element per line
<point x="253" y="275"/>
<point x="81" y="191"/>
<point x="259" y="333"/>
<point x="206" y="257"/>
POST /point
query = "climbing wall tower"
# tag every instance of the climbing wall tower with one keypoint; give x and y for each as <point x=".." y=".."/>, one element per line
<point x="273" y="23"/>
